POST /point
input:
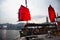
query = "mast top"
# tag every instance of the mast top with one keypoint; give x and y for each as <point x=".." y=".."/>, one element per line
<point x="26" y="2"/>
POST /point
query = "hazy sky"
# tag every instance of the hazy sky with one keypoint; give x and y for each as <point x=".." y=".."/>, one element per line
<point x="38" y="9"/>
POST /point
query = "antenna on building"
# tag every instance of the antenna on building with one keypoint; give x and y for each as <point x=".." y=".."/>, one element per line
<point x="47" y="19"/>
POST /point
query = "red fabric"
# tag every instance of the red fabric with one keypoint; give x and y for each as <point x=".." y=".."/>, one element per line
<point x="24" y="14"/>
<point x="52" y="14"/>
<point x="58" y="24"/>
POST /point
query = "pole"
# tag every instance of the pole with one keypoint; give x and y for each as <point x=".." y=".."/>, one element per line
<point x="26" y="2"/>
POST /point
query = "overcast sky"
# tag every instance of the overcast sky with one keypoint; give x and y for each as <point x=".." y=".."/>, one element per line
<point x="38" y="9"/>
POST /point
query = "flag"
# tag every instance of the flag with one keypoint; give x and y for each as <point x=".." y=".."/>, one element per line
<point x="24" y="14"/>
<point x="52" y="14"/>
<point x="58" y="24"/>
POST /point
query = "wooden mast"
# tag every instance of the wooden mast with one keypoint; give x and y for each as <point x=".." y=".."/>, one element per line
<point x="26" y="2"/>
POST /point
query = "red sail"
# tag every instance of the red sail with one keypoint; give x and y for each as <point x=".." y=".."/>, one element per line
<point x="52" y="14"/>
<point x="24" y="14"/>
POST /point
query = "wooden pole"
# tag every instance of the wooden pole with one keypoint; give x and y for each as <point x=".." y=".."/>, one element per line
<point x="26" y="2"/>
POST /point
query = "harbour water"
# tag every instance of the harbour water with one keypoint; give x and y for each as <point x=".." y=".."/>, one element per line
<point x="8" y="34"/>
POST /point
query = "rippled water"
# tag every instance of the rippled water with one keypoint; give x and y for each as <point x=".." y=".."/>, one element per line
<point x="8" y="34"/>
